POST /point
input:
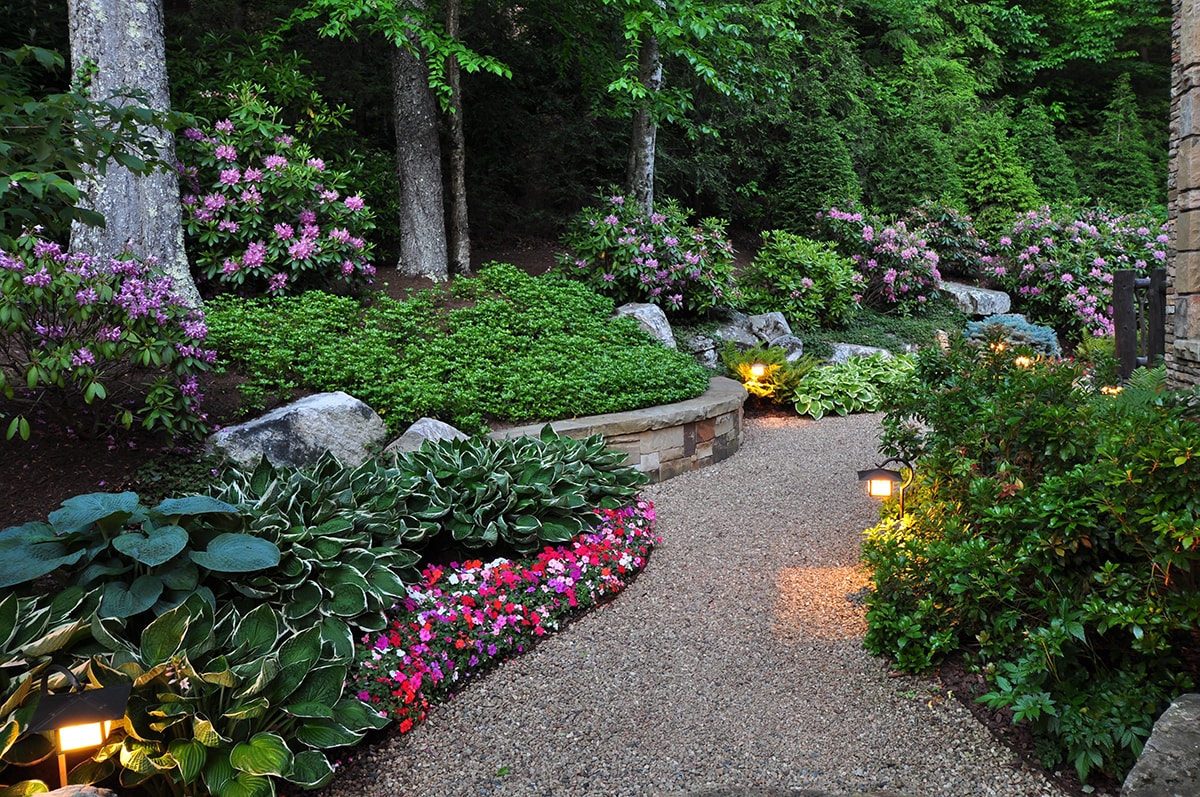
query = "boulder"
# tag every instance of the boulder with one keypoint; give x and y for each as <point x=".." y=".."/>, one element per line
<point x="977" y="301"/>
<point x="791" y="344"/>
<point x="652" y="319"/>
<point x="844" y="351"/>
<point x="703" y="348"/>
<point x="299" y="433"/>
<point x="419" y="432"/>
<point x="738" y="330"/>
<point x="77" y="790"/>
<point x="1170" y="762"/>
<point x="768" y="326"/>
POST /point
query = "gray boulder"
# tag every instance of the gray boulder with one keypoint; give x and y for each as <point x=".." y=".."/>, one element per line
<point x="768" y="326"/>
<point x="76" y="790"/>
<point x="977" y="301"/>
<point x="419" y="432"/>
<point x="702" y="347"/>
<point x="1170" y="762"/>
<point x="652" y="319"/>
<point x="791" y="344"/>
<point x="299" y="433"/>
<point x="738" y="330"/>
<point x="844" y="351"/>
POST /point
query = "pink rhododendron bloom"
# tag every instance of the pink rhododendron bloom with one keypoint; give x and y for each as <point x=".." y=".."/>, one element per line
<point x="225" y="153"/>
<point x="354" y="202"/>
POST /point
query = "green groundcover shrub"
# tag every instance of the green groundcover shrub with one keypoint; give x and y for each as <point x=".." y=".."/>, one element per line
<point x="523" y="349"/>
<point x="1052" y="538"/>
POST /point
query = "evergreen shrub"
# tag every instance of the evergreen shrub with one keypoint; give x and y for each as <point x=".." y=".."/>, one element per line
<point x="1050" y="537"/>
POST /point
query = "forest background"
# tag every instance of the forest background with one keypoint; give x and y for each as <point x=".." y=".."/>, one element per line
<point x="766" y="112"/>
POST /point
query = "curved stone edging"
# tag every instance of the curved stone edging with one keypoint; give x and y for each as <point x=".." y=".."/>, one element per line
<point x="667" y="440"/>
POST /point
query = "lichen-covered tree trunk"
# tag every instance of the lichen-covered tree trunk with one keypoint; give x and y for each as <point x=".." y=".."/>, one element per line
<point x="640" y="172"/>
<point x="418" y="156"/>
<point x="123" y="39"/>
<point x="459" y="231"/>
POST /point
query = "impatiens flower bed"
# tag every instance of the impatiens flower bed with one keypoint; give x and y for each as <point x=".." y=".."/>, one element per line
<point x="463" y="618"/>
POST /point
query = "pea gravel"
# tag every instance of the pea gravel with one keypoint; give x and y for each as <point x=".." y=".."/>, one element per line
<point x="732" y="666"/>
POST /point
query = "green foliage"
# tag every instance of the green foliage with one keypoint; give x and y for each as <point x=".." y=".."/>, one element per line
<point x="1099" y="355"/>
<point x="766" y="372"/>
<point x="110" y="334"/>
<point x="1051" y="537"/>
<point x="343" y="535"/>
<point x="915" y="162"/>
<point x="524" y="349"/>
<point x="1014" y="331"/>
<point x="141" y="558"/>
<point x="1121" y="173"/>
<point x="889" y="331"/>
<point x="263" y="213"/>
<point x="856" y="385"/>
<point x="950" y="233"/>
<point x="995" y="181"/>
<point x="50" y="141"/>
<point x="228" y="703"/>
<point x="517" y="494"/>
<point x="619" y="252"/>
<point x="806" y="280"/>
<point x="1045" y="158"/>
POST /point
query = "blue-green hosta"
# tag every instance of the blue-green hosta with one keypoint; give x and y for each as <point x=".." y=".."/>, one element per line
<point x="142" y="557"/>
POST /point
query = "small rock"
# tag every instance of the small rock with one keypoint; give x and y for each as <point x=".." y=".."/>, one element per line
<point x="424" y="429"/>
<point x="975" y="300"/>
<point x="769" y="326"/>
<point x="844" y="351"/>
<point x="791" y="344"/>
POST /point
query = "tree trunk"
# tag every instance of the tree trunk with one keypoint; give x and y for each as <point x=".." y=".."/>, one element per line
<point x="418" y="156"/>
<point x="640" y="174"/>
<point x="459" y="231"/>
<point x="124" y="39"/>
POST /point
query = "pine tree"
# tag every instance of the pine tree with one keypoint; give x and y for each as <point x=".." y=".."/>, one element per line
<point x="1043" y="154"/>
<point x="1122" y="174"/>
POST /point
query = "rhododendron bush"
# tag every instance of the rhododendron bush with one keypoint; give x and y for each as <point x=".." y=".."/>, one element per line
<point x="1058" y="264"/>
<point x="462" y="618"/>
<point x="263" y="214"/>
<point x="897" y="269"/>
<point x="105" y="335"/>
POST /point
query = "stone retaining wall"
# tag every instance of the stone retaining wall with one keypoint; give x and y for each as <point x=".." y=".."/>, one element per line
<point x="667" y="440"/>
<point x="1183" y="199"/>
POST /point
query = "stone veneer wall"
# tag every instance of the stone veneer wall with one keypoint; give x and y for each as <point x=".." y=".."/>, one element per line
<point x="1183" y="199"/>
<point x="667" y="440"/>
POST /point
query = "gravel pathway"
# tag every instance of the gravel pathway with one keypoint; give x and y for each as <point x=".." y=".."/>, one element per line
<point x="732" y="666"/>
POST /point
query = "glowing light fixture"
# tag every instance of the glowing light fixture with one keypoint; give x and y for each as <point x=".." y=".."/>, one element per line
<point x="758" y="370"/>
<point x="80" y="718"/>
<point x="882" y="482"/>
<point x="1023" y="362"/>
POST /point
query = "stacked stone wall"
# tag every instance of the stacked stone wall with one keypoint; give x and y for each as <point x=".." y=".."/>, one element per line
<point x="1183" y="199"/>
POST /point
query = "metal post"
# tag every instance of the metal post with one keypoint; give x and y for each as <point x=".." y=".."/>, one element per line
<point x="1124" y="322"/>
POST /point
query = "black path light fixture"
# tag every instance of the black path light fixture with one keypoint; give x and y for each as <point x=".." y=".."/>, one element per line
<point x="80" y="718"/>
<point x="882" y="482"/>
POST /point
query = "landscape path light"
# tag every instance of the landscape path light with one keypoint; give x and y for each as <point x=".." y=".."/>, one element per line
<point x="80" y="718"/>
<point x="882" y="482"/>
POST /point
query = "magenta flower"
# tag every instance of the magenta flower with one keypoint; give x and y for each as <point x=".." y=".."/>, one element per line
<point x="256" y="254"/>
<point x="274" y="162"/>
<point x="284" y="232"/>
<point x="82" y="357"/>
<point x="225" y="153"/>
<point x="224" y="126"/>
<point x="230" y="176"/>
<point x="354" y="203"/>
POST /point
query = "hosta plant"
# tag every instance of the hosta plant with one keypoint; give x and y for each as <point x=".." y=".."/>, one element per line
<point x="520" y="493"/>
<point x="141" y="557"/>
<point x="227" y="703"/>
<point x="342" y="533"/>
<point x="856" y="385"/>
